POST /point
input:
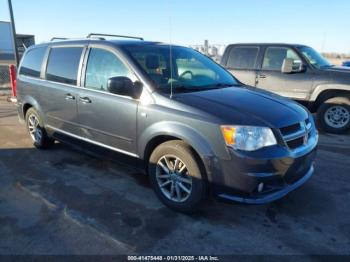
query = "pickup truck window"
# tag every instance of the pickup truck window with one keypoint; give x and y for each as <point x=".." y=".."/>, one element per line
<point x="63" y="64"/>
<point x="243" y="57"/>
<point x="101" y="66"/>
<point x="32" y="61"/>
<point x="274" y="57"/>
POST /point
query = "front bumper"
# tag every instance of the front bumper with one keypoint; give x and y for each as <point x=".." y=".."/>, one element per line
<point x="269" y="197"/>
<point x="263" y="176"/>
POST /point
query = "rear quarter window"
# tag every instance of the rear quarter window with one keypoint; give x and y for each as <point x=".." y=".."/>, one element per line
<point x="243" y="57"/>
<point x="32" y="62"/>
<point x="63" y="65"/>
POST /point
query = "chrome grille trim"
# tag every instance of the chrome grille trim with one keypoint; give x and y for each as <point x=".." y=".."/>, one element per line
<point x="304" y="132"/>
<point x="294" y="136"/>
<point x="309" y="126"/>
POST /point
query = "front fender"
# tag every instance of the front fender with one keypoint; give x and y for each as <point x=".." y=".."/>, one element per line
<point x="187" y="134"/>
<point x="327" y="87"/>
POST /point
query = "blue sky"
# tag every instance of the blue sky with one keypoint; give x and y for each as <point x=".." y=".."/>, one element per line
<point x="323" y="24"/>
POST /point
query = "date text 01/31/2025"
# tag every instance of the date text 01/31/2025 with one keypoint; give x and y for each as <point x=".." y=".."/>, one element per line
<point x="173" y="258"/>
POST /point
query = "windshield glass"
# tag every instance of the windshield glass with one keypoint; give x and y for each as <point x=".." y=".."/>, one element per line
<point x="182" y="68"/>
<point x="314" y="58"/>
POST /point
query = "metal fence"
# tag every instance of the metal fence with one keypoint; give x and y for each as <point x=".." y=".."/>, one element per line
<point x="4" y="76"/>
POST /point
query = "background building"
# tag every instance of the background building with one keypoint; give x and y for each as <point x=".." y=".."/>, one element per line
<point x="214" y="51"/>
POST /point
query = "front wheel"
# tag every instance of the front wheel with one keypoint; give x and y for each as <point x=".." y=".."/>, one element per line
<point x="37" y="131"/>
<point x="176" y="176"/>
<point x="334" y="115"/>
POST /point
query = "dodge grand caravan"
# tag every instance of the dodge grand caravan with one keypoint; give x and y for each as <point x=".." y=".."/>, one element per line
<point x="196" y="127"/>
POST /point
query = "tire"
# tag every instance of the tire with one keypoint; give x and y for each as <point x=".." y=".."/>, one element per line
<point x="36" y="130"/>
<point x="333" y="115"/>
<point x="187" y="161"/>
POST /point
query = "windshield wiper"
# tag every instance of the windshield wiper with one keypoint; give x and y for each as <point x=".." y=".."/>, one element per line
<point x="327" y="66"/>
<point x="188" y="88"/>
<point x="225" y="85"/>
<point x="202" y="88"/>
<point x="221" y="85"/>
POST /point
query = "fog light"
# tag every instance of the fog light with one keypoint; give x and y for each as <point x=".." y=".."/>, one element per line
<point x="260" y="187"/>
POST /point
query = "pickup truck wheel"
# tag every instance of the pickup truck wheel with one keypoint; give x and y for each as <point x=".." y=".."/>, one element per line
<point x="334" y="115"/>
<point x="36" y="130"/>
<point x="176" y="176"/>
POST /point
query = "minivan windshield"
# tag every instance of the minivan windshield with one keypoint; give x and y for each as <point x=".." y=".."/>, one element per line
<point x="183" y="69"/>
<point x="314" y="58"/>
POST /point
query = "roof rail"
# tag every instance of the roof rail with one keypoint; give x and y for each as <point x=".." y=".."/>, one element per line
<point x="58" y="38"/>
<point x="121" y="36"/>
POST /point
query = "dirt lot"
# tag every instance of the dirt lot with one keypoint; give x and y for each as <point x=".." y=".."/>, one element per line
<point x="65" y="201"/>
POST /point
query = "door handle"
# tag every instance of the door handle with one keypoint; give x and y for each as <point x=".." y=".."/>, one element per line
<point x="85" y="100"/>
<point x="70" y="97"/>
<point x="262" y="76"/>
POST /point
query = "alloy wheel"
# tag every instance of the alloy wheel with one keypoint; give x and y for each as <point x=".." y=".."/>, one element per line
<point x="34" y="128"/>
<point x="173" y="178"/>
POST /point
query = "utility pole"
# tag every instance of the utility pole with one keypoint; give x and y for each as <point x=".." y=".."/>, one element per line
<point x="13" y="32"/>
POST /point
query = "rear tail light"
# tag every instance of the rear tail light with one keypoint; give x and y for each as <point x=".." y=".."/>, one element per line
<point x="13" y="80"/>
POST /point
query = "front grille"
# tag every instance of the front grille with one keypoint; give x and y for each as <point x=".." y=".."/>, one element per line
<point x="297" y="135"/>
<point x="290" y="129"/>
<point x="293" y="144"/>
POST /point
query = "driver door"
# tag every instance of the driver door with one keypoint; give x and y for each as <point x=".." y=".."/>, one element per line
<point x="107" y="119"/>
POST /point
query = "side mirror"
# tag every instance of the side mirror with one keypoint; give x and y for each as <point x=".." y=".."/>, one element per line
<point x="289" y="67"/>
<point x="123" y="86"/>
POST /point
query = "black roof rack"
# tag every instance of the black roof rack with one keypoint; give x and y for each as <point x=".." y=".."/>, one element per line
<point x="58" y="38"/>
<point x="121" y="36"/>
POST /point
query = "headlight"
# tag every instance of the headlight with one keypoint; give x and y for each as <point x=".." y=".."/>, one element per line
<point x="248" y="138"/>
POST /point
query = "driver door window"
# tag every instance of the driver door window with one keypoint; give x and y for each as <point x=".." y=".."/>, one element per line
<point x="274" y="57"/>
<point x="101" y="66"/>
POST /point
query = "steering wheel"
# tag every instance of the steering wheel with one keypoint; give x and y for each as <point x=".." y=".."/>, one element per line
<point x="185" y="73"/>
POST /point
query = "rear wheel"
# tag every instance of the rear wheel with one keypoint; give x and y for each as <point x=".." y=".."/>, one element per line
<point x="176" y="176"/>
<point x="334" y="115"/>
<point x="37" y="131"/>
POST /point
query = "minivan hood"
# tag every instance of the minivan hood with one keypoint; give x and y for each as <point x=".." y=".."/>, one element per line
<point x="245" y="106"/>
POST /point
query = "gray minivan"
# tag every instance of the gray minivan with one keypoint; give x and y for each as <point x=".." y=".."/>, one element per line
<point x="196" y="127"/>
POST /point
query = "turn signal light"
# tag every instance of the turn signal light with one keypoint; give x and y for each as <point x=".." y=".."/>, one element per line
<point x="229" y="134"/>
